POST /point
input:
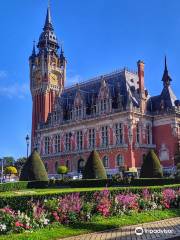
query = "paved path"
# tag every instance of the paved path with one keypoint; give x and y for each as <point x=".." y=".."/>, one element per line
<point x="161" y="230"/>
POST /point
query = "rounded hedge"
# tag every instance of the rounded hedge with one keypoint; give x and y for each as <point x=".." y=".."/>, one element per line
<point x="94" y="168"/>
<point x="34" y="169"/>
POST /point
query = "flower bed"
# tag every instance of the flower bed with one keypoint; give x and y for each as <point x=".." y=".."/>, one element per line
<point x="73" y="208"/>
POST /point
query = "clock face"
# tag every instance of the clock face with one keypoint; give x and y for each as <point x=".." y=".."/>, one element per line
<point x="53" y="79"/>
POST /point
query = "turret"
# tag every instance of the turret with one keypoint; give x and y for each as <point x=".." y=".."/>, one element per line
<point x="47" y="74"/>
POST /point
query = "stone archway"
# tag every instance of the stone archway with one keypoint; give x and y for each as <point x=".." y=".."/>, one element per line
<point x="80" y="165"/>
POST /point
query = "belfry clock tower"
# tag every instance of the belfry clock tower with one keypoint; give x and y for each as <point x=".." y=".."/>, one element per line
<point x="47" y="75"/>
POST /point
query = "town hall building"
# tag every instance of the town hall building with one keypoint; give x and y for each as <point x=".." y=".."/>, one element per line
<point x="111" y="113"/>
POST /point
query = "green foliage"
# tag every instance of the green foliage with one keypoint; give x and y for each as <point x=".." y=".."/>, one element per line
<point x="10" y="186"/>
<point x="62" y="170"/>
<point x="151" y="167"/>
<point x="34" y="169"/>
<point x="19" y="201"/>
<point x="152" y="181"/>
<point x="80" y="183"/>
<point x="94" y="168"/>
<point x="8" y="161"/>
<point x="19" y="163"/>
<point x="10" y="170"/>
<point x="178" y="166"/>
<point x="177" y="175"/>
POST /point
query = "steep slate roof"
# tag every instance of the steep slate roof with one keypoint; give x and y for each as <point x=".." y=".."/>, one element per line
<point x="167" y="99"/>
<point x="124" y="83"/>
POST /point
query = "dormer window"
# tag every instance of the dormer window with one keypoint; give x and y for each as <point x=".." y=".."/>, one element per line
<point x="78" y="112"/>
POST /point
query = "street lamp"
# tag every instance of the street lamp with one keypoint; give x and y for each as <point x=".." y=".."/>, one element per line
<point x="27" y="142"/>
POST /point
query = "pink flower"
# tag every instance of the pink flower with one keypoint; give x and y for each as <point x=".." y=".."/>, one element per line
<point x="18" y="224"/>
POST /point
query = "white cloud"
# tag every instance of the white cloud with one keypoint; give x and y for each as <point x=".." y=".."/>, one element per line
<point x="3" y="74"/>
<point x="15" y="90"/>
<point x="71" y="80"/>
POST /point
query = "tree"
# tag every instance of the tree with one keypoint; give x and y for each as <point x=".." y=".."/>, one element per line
<point x="177" y="154"/>
<point x="177" y="175"/>
<point x="62" y="170"/>
<point x="143" y="167"/>
<point x="94" y="168"/>
<point x="10" y="170"/>
<point x="151" y="167"/>
<point x="8" y="161"/>
<point x="34" y="169"/>
<point x="19" y="163"/>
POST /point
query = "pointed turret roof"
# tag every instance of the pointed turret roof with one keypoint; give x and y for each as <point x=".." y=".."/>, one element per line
<point x="48" y="39"/>
<point x="48" y="22"/>
<point x="166" y="78"/>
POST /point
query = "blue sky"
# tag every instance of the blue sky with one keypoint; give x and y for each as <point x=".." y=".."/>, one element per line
<point x="99" y="36"/>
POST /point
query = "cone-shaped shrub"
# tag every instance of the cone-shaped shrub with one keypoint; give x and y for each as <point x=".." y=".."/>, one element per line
<point x="34" y="169"/>
<point x="94" y="168"/>
<point x="151" y="167"/>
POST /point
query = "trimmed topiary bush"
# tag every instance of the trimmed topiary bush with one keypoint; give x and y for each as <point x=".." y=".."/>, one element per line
<point x="151" y="167"/>
<point x="34" y="169"/>
<point x="62" y="170"/>
<point x="94" y="168"/>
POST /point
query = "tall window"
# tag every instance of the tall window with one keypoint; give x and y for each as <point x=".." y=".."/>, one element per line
<point x="104" y="136"/>
<point x="105" y="161"/>
<point x="119" y="133"/>
<point x="119" y="161"/>
<point x="79" y="140"/>
<point x="68" y="141"/>
<point x="148" y="128"/>
<point x="91" y="138"/>
<point x="56" y="166"/>
<point x="103" y="105"/>
<point x="47" y="145"/>
<point x="57" y="146"/>
<point x="68" y="165"/>
<point x="78" y="112"/>
<point x="137" y="133"/>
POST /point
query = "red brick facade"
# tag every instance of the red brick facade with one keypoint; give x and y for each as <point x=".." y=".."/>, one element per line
<point x="113" y="114"/>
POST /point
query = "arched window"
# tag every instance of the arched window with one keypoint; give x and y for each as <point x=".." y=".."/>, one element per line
<point x="46" y="166"/>
<point x="105" y="161"/>
<point x="119" y="160"/>
<point x="68" y="165"/>
<point x="56" y="166"/>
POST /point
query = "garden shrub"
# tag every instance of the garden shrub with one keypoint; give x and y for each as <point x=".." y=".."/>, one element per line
<point x="10" y="186"/>
<point x="94" y="168"/>
<point x="34" y="169"/>
<point x="62" y="170"/>
<point x="152" y="181"/>
<point x="151" y="167"/>
<point x="74" y="208"/>
<point x="20" y="201"/>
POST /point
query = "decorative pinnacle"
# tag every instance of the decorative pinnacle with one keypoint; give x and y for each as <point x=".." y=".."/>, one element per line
<point x="48" y="22"/>
<point x="166" y="78"/>
<point x="34" y="49"/>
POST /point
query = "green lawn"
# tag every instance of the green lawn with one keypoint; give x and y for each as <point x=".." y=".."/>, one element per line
<point x="57" y="190"/>
<point x="97" y="224"/>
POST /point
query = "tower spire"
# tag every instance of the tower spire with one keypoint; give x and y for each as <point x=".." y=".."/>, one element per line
<point x="166" y="78"/>
<point x="34" y="49"/>
<point x="48" y="22"/>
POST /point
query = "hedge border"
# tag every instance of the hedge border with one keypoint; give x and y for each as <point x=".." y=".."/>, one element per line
<point x="17" y="202"/>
